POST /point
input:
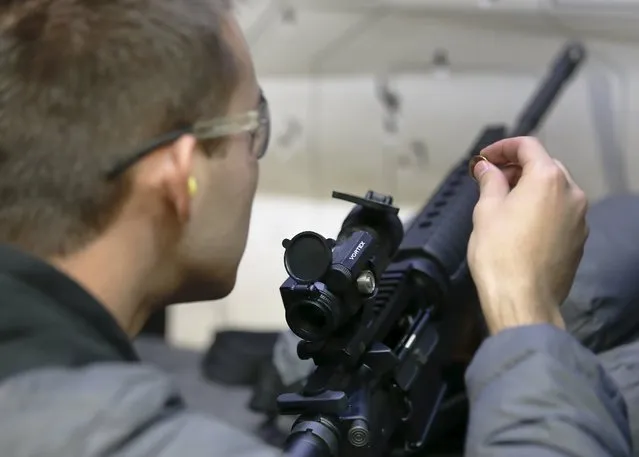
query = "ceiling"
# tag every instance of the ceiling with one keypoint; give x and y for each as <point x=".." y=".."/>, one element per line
<point x="373" y="36"/>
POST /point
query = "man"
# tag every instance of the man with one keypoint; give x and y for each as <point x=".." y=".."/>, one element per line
<point x="129" y="137"/>
<point x="130" y="134"/>
<point x="533" y="389"/>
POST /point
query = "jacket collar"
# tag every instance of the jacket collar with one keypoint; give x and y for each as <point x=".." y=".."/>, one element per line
<point x="51" y="319"/>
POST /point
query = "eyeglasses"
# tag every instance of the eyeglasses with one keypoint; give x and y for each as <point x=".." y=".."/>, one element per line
<point x="257" y="123"/>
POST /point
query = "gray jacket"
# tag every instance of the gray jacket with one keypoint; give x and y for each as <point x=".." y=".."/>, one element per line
<point x="534" y="391"/>
<point x="110" y="410"/>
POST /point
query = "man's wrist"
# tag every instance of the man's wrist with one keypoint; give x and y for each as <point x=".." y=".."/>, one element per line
<point x="504" y="313"/>
<point x="497" y="325"/>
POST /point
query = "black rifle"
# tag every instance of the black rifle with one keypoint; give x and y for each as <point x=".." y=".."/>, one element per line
<point x="386" y="316"/>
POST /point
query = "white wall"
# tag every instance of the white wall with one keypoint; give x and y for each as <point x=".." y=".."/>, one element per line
<point x="343" y="144"/>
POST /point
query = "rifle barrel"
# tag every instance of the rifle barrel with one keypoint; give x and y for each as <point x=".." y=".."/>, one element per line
<point x="561" y="71"/>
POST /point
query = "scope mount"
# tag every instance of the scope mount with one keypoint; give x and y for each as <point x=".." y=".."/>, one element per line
<point x="308" y="254"/>
<point x="372" y="200"/>
<point x="339" y="274"/>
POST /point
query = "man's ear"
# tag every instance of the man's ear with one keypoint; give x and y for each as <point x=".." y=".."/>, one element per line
<point x="176" y="180"/>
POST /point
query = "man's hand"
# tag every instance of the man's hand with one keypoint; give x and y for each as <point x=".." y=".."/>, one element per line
<point x="529" y="233"/>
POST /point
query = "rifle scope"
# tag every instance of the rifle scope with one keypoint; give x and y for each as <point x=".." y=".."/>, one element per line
<point x="329" y="280"/>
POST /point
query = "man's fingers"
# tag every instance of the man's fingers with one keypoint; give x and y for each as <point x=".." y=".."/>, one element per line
<point x="522" y="151"/>
<point x="512" y="174"/>
<point x="511" y="171"/>
<point x="569" y="178"/>
<point x="579" y="196"/>
<point x="492" y="182"/>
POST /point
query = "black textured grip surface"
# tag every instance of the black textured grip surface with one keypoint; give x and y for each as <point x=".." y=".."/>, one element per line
<point x="440" y="232"/>
<point x="448" y="221"/>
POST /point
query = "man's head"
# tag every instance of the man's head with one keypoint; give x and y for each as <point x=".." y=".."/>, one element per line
<point x="110" y="111"/>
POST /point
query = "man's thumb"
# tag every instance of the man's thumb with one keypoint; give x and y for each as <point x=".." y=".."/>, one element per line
<point x="492" y="182"/>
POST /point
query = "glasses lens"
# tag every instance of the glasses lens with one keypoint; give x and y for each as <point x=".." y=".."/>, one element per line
<point x="262" y="134"/>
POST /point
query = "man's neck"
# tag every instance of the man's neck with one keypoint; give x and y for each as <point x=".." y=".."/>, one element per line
<point x="119" y="276"/>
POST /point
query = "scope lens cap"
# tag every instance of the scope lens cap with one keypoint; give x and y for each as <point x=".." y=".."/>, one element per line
<point x="308" y="257"/>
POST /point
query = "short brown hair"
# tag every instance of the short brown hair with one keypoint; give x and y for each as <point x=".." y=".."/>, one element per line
<point x="83" y="83"/>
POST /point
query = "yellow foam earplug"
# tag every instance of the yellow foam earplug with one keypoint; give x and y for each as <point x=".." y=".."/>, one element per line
<point x="192" y="183"/>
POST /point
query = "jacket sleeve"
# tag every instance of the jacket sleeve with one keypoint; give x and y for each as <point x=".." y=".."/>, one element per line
<point x="534" y="391"/>
<point x="112" y="410"/>
<point x="188" y="434"/>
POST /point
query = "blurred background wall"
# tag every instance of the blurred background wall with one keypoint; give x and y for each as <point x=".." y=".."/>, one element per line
<point x="388" y="94"/>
